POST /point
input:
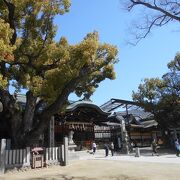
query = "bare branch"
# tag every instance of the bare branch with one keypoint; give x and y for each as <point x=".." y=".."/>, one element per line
<point x="156" y="8"/>
<point x="162" y="13"/>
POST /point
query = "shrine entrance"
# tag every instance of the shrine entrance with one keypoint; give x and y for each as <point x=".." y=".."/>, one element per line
<point x="85" y="120"/>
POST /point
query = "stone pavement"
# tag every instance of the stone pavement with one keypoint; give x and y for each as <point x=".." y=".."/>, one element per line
<point x="165" y="156"/>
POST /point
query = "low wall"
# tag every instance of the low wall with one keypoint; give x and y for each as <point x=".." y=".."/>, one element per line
<point x="18" y="158"/>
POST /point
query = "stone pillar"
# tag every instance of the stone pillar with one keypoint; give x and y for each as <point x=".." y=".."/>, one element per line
<point x="2" y="155"/>
<point x="65" y="151"/>
<point x="51" y="132"/>
<point x="119" y="142"/>
<point x="28" y="156"/>
<point x="124" y="136"/>
<point x="125" y="142"/>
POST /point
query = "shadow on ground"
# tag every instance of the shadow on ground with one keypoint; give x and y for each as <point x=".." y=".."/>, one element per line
<point x="60" y="177"/>
<point x="65" y="177"/>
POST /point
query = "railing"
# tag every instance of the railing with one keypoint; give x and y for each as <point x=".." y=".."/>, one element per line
<point x="24" y="157"/>
<point x="17" y="158"/>
<point x="54" y="155"/>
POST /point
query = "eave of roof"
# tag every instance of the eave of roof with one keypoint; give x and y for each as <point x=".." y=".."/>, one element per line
<point x="87" y="104"/>
<point x="145" y="124"/>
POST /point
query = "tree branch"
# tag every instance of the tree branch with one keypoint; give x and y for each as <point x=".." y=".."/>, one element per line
<point x="38" y="106"/>
<point x="166" y="11"/>
<point x="156" y="8"/>
<point x="46" y="114"/>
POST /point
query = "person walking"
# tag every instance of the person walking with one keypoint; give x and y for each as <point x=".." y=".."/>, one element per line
<point x="131" y="146"/>
<point x="112" y="148"/>
<point x="154" y="147"/>
<point x="94" y="147"/>
<point x="177" y="145"/>
<point x="106" y="150"/>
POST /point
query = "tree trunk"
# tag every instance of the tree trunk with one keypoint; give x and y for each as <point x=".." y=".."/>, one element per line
<point x="11" y="115"/>
<point x="29" y="111"/>
<point x="27" y="125"/>
<point x="44" y="117"/>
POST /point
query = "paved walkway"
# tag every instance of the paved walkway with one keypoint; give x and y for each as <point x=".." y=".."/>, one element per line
<point x="164" y="157"/>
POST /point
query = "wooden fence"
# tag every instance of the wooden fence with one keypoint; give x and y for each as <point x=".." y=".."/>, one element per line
<point x="23" y="157"/>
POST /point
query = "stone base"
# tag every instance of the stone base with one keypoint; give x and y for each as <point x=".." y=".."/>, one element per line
<point x="72" y="147"/>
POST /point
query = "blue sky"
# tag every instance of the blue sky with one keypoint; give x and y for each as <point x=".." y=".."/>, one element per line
<point x="148" y="59"/>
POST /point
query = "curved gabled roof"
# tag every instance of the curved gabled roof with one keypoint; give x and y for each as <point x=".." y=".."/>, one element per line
<point x="135" y="118"/>
<point x="86" y="104"/>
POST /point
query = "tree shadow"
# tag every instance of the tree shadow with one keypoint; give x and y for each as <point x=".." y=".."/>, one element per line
<point x="61" y="177"/>
<point x="66" y="177"/>
<point x="125" y="177"/>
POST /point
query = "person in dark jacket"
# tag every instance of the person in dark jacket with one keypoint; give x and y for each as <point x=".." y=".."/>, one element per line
<point x="106" y="149"/>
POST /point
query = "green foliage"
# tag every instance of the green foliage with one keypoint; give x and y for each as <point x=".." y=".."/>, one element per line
<point x="174" y="65"/>
<point x="89" y="52"/>
<point x="149" y="90"/>
<point x="44" y="66"/>
<point x="3" y="82"/>
<point x="162" y="96"/>
<point x="30" y="58"/>
<point x="6" y="49"/>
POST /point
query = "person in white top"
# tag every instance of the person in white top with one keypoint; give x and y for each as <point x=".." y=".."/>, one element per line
<point x="94" y="147"/>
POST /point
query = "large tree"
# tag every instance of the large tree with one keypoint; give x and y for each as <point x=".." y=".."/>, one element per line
<point x="155" y="13"/>
<point x="31" y="59"/>
<point x="162" y="96"/>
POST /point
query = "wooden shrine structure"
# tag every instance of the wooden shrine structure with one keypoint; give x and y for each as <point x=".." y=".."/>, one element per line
<point x="140" y="125"/>
<point x="86" y="120"/>
<point x="103" y="124"/>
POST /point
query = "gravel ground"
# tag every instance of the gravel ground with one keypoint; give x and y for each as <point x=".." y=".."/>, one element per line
<point x="119" y="167"/>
